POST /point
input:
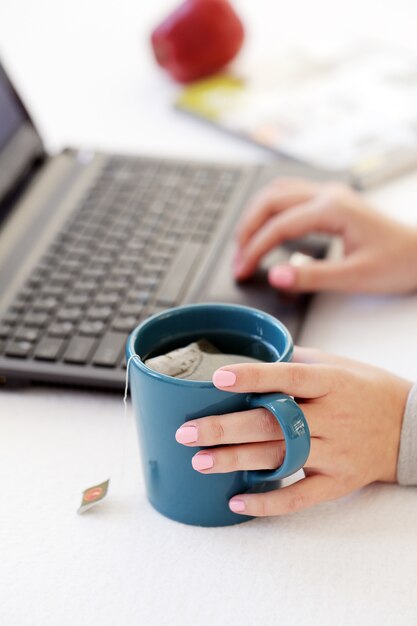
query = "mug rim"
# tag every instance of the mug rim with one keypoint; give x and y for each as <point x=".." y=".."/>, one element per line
<point x="131" y="341"/>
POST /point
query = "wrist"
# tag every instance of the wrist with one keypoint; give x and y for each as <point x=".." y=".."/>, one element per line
<point x="407" y="457"/>
<point x="399" y="394"/>
<point x="414" y="248"/>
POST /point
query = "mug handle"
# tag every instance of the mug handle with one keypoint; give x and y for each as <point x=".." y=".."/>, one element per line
<point x="296" y="434"/>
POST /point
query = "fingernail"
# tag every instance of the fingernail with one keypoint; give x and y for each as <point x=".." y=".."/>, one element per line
<point x="282" y="276"/>
<point x="224" y="378"/>
<point x="202" y="461"/>
<point x="186" y="434"/>
<point x="237" y="506"/>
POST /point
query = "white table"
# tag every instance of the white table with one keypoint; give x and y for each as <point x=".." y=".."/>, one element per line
<point x="85" y="69"/>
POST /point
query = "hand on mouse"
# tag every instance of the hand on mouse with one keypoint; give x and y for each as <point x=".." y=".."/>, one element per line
<point x="380" y="254"/>
<point x="354" y="412"/>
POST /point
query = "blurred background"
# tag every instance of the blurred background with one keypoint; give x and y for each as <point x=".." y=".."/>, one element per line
<point x="44" y="44"/>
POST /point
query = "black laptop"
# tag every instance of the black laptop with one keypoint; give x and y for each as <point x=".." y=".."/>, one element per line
<point x="93" y="243"/>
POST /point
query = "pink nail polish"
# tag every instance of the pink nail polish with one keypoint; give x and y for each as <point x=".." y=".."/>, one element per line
<point x="237" y="506"/>
<point x="186" y="434"/>
<point x="224" y="378"/>
<point x="202" y="462"/>
<point x="282" y="276"/>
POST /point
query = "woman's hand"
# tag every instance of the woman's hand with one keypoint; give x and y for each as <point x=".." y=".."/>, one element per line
<point x="380" y="255"/>
<point x="354" y="412"/>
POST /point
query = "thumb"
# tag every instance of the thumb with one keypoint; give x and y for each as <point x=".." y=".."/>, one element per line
<point x="316" y="276"/>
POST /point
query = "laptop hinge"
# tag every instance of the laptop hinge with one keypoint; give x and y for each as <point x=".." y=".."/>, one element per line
<point x="21" y="185"/>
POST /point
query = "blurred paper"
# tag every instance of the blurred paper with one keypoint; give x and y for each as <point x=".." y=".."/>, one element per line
<point x="349" y="109"/>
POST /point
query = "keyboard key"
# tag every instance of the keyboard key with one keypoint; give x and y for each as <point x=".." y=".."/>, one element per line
<point x="79" y="350"/>
<point x="113" y="285"/>
<point x="73" y="265"/>
<point x="99" y="313"/>
<point x="19" y="305"/>
<point x="20" y="349"/>
<point x="77" y="300"/>
<point x="110" y="298"/>
<point x="36" y="320"/>
<point x="27" y="293"/>
<point x="73" y="314"/>
<point x="177" y="277"/>
<point x="91" y="328"/>
<point x="45" y="304"/>
<point x="10" y="318"/>
<point x="154" y="273"/>
<point x="110" y="350"/>
<point x="53" y="290"/>
<point x="126" y="324"/>
<point x="130" y="259"/>
<point x="84" y="286"/>
<point x="146" y="283"/>
<point x="49" y="349"/>
<point x="124" y="273"/>
<point x="27" y="334"/>
<point x="131" y="309"/>
<point x="136" y="246"/>
<point x="104" y="259"/>
<point x="60" y="329"/>
<point x="34" y="282"/>
<point x="138" y="295"/>
<point x="60" y="278"/>
<point x="5" y="331"/>
<point x="94" y="273"/>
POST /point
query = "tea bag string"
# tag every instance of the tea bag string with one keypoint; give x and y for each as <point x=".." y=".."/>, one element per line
<point x="124" y="444"/>
<point x="132" y="356"/>
<point x="95" y="493"/>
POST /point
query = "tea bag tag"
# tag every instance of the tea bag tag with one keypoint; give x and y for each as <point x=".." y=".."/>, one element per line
<point x="93" y="495"/>
<point x="96" y="493"/>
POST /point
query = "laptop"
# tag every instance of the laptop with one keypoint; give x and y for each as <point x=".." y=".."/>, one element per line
<point x="91" y="244"/>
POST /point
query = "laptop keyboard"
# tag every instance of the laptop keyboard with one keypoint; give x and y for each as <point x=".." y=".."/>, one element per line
<point x="128" y="251"/>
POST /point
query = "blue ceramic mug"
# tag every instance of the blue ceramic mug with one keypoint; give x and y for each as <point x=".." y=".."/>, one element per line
<point x="162" y="404"/>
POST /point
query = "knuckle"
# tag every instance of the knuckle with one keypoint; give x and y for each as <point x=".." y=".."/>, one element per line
<point x="216" y="431"/>
<point x="233" y="458"/>
<point x="337" y="191"/>
<point x="297" y="375"/>
<point x="261" y="506"/>
<point x="296" y="502"/>
<point x="339" y="378"/>
<point x="267" y="424"/>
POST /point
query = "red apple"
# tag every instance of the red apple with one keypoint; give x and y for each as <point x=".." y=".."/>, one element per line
<point x="197" y="39"/>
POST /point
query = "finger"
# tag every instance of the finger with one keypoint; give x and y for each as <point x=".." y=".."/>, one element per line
<point x="278" y="196"/>
<point x="296" y="379"/>
<point x="301" y="495"/>
<point x="255" y="425"/>
<point x="249" y="456"/>
<point x="323" y="275"/>
<point x="243" y="427"/>
<point x="311" y="216"/>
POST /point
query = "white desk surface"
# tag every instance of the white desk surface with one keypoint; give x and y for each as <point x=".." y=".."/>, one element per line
<point x="85" y="69"/>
